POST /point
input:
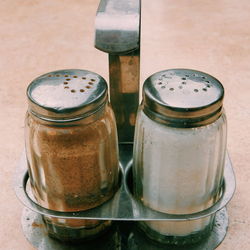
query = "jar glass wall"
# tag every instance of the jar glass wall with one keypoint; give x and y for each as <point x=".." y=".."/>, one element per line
<point x="178" y="171"/>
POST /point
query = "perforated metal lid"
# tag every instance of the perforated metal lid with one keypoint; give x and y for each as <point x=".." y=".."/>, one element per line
<point x="183" y="98"/>
<point x="66" y="94"/>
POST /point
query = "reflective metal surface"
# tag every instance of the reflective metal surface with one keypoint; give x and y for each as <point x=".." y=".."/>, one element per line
<point x="183" y="98"/>
<point x="66" y="94"/>
<point x="122" y="206"/>
<point x="118" y="33"/>
<point x="118" y="26"/>
<point x="35" y="232"/>
<point x="124" y="92"/>
<point x="122" y="236"/>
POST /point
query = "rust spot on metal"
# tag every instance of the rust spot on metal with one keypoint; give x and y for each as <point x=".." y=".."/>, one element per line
<point x="34" y="224"/>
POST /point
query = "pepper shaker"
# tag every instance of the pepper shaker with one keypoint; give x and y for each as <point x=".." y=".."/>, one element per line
<point x="179" y="151"/>
<point x="71" y="148"/>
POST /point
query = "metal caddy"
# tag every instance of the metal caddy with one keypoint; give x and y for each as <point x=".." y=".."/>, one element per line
<point x="118" y="34"/>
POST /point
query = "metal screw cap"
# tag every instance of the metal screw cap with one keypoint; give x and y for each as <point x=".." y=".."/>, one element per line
<point x="66" y="95"/>
<point x="183" y="98"/>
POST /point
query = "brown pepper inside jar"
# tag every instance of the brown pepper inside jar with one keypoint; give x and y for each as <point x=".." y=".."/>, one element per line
<point x="75" y="166"/>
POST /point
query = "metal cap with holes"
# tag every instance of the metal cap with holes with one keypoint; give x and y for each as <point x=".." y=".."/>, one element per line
<point x="66" y="95"/>
<point x="182" y="98"/>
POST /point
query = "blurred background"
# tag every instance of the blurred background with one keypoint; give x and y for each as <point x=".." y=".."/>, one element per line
<point x="38" y="36"/>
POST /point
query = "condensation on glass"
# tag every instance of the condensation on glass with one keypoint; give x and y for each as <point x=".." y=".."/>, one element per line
<point x="179" y="151"/>
<point x="71" y="147"/>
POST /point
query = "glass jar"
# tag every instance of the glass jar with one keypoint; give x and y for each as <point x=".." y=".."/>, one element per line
<point x="72" y="148"/>
<point x="179" y="151"/>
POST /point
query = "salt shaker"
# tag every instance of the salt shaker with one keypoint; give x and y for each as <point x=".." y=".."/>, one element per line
<point x="71" y="148"/>
<point x="179" y="151"/>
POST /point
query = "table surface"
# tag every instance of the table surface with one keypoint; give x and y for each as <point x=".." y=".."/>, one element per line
<point x="41" y="36"/>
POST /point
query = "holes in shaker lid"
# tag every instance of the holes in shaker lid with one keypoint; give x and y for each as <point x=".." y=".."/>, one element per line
<point x="167" y="76"/>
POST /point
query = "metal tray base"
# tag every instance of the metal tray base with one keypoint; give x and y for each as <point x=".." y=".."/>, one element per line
<point x="124" y="211"/>
<point x="122" y="236"/>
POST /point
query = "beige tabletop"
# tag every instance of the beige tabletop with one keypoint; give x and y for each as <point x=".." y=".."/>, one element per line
<point x="41" y="36"/>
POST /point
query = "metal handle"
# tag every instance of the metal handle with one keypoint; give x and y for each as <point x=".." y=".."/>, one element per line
<point x="118" y="33"/>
